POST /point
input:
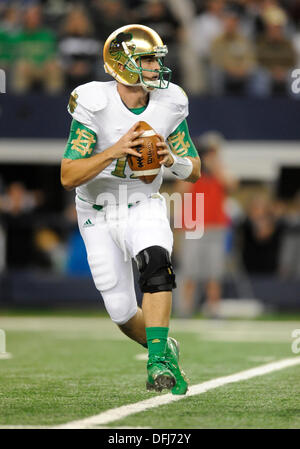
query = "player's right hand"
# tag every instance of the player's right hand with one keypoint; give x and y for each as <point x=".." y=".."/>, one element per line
<point x="126" y="144"/>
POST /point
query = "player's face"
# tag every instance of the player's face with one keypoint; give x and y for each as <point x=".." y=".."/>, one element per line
<point x="150" y="63"/>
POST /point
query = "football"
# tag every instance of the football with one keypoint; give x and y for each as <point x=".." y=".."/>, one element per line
<point x="147" y="166"/>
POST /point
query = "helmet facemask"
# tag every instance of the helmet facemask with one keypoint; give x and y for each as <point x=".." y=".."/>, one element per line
<point x="134" y="65"/>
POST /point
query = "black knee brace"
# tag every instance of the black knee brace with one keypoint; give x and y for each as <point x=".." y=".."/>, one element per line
<point x="156" y="271"/>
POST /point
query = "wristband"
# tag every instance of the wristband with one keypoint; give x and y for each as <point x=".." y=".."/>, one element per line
<point x="182" y="167"/>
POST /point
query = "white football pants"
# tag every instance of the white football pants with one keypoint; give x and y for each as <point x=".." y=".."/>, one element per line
<point x="112" y="237"/>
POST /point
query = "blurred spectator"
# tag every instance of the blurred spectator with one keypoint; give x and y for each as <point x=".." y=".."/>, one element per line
<point x="17" y="207"/>
<point x="293" y="8"/>
<point x="54" y="11"/>
<point x="35" y="56"/>
<point x="78" y="49"/>
<point x="108" y="15"/>
<point x="289" y="257"/>
<point x="232" y="58"/>
<point x="191" y="76"/>
<point x="259" y="9"/>
<point x="275" y="52"/>
<point x="296" y="35"/>
<point x="260" y="237"/>
<point x="10" y="20"/>
<point x="5" y="49"/>
<point x="18" y="199"/>
<point x="247" y="11"/>
<point x="207" y="26"/>
<point x="271" y="11"/>
<point x="49" y="251"/>
<point x="156" y="14"/>
<point x="203" y="260"/>
<point x="8" y="26"/>
<point x="204" y="29"/>
<point x="289" y="263"/>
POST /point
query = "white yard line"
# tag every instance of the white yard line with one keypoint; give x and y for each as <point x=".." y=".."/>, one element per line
<point x="126" y="410"/>
<point x="142" y="356"/>
<point x="5" y="355"/>
<point x="23" y="427"/>
<point x="48" y="427"/>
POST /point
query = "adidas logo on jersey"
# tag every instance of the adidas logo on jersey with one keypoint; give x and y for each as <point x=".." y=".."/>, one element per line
<point x="88" y="223"/>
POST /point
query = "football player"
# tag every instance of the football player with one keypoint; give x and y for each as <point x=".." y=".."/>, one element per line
<point x="103" y="133"/>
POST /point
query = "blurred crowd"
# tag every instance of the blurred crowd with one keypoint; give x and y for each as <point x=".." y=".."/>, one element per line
<point x="216" y="47"/>
<point x="249" y="232"/>
<point x="32" y="237"/>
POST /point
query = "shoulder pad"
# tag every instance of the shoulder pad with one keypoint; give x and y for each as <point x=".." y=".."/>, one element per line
<point x="175" y="95"/>
<point x="91" y="96"/>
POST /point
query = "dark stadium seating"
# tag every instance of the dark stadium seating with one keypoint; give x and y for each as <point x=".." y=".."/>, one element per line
<point x="39" y="116"/>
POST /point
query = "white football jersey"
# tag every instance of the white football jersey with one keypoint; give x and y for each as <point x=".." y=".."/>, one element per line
<point x="100" y="108"/>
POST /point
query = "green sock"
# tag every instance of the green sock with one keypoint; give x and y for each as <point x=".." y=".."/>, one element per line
<point x="157" y="339"/>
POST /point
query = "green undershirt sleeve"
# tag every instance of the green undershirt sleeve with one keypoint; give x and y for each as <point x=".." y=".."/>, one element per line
<point x="81" y="142"/>
<point x="180" y="141"/>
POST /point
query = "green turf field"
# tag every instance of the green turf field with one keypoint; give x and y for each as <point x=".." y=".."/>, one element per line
<point x="67" y="368"/>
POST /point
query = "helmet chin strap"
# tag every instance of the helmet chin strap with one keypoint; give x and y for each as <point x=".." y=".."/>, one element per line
<point x="145" y="87"/>
<point x="148" y="88"/>
<point x="151" y="88"/>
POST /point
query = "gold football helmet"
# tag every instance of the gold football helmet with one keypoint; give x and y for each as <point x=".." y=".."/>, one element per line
<point x="123" y="51"/>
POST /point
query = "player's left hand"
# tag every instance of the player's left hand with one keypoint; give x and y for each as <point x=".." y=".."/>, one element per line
<point x="163" y="150"/>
